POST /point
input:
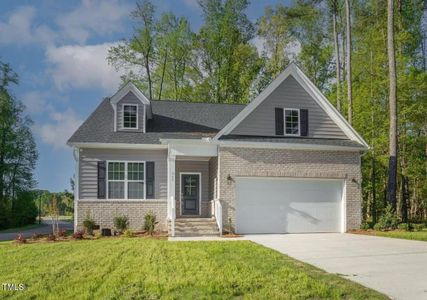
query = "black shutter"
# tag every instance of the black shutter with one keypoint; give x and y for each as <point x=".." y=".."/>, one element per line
<point x="101" y="179"/>
<point x="149" y="177"/>
<point x="279" y="121"/>
<point x="304" y="122"/>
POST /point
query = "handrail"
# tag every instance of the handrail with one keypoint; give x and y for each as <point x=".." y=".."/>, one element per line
<point x="218" y="214"/>
<point x="173" y="215"/>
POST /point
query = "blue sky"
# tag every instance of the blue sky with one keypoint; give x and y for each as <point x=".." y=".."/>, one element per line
<point x="58" y="49"/>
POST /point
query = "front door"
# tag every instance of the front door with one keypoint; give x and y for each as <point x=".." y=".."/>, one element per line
<point x="190" y="194"/>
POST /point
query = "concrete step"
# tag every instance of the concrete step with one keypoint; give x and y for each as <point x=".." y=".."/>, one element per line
<point x="195" y="227"/>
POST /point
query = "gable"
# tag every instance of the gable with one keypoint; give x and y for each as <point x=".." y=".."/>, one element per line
<point x="288" y="94"/>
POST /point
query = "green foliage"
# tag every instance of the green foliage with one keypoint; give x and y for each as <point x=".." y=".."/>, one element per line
<point x="128" y="233"/>
<point x="418" y="227"/>
<point x="388" y="221"/>
<point x="121" y="223"/>
<point x="404" y="227"/>
<point x="89" y="223"/>
<point x="365" y="226"/>
<point x="150" y="223"/>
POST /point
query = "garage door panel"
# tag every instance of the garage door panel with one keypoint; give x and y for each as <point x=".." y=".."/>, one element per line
<point x="283" y="205"/>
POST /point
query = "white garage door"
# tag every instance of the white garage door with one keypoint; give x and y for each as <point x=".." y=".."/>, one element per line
<point x="283" y="205"/>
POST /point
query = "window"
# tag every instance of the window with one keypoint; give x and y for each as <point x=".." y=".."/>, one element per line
<point x="292" y="121"/>
<point x="130" y="116"/>
<point x="126" y="180"/>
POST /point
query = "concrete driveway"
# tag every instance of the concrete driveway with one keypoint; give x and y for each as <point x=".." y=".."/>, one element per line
<point x="395" y="267"/>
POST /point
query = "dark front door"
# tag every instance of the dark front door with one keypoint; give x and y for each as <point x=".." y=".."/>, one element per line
<point x="190" y="193"/>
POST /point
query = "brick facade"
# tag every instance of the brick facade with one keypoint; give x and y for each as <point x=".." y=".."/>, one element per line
<point x="103" y="212"/>
<point x="291" y="163"/>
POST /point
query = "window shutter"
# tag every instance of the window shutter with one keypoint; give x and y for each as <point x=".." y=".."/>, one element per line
<point x="304" y="122"/>
<point x="101" y="179"/>
<point x="149" y="177"/>
<point x="279" y="121"/>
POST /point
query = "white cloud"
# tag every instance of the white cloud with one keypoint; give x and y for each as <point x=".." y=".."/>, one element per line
<point x="258" y="42"/>
<point x="93" y="16"/>
<point x="60" y="129"/>
<point x="18" y="28"/>
<point x="35" y="102"/>
<point x="192" y="3"/>
<point x="76" y="66"/>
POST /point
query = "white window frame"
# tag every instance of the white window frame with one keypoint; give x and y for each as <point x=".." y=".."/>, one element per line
<point x="126" y="181"/>
<point x="299" y="122"/>
<point x="123" y="116"/>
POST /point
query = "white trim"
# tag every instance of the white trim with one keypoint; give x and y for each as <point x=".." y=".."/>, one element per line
<point x="120" y="146"/>
<point x="123" y="117"/>
<point x="302" y="79"/>
<point x="284" y="121"/>
<point x="180" y="191"/>
<point x="126" y="180"/>
<point x="123" y="200"/>
<point x="76" y="154"/>
<point x="129" y="87"/>
<point x="291" y="146"/>
<point x="344" y="207"/>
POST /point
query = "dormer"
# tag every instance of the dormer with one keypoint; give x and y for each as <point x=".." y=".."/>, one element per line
<point x="131" y="109"/>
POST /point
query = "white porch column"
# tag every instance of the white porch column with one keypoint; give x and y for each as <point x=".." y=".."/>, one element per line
<point x="171" y="191"/>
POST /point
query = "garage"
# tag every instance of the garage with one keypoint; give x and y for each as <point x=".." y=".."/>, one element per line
<point x="289" y="205"/>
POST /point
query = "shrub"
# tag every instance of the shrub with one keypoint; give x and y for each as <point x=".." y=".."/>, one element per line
<point x="98" y="234"/>
<point x="62" y="233"/>
<point x="128" y="233"/>
<point x="78" y="235"/>
<point x="20" y="239"/>
<point x="121" y="223"/>
<point x="89" y="224"/>
<point x="365" y="226"/>
<point x="418" y="227"/>
<point x="150" y="223"/>
<point x="388" y="221"/>
<point x="404" y="227"/>
<point x="51" y="237"/>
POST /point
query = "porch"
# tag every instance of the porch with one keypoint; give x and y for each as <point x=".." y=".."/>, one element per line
<point x="193" y="207"/>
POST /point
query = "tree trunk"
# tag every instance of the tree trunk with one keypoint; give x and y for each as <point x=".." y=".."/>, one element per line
<point x="147" y="69"/>
<point x="405" y="198"/>
<point x="337" y="54"/>
<point x="392" y="172"/>
<point x="163" y="75"/>
<point x="349" y="84"/>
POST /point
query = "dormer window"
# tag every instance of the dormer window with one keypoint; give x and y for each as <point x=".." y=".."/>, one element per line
<point x="130" y="116"/>
<point x="292" y="121"/>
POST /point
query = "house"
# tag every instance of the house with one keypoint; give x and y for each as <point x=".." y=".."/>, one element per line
<point x="288" y="162"/>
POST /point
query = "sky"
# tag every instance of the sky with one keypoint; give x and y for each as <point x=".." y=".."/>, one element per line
<point x="58" y="49"/>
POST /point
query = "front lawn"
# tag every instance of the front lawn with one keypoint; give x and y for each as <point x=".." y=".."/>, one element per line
<point x="113" y="268"/>
<point x="399" y="234"/>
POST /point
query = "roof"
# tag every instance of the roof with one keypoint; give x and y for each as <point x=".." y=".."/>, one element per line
<point x="293" y="140"/>
<point x="171" y="120"/>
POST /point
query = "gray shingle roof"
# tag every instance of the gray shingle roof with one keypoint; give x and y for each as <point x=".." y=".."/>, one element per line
<point x="293" y="140"/>
<point x="171" y="119"/>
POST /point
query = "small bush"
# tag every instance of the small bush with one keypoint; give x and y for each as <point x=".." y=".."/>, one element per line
<point x="51" y="237"/>
<point x="128" y="233"/>
<point x="121" y="223"/>
<point x="418" y="227"/>
<point x="365" y="226"/>
<point x="404" y="227"/>
<point x="97" y="234"/>
<point x="20" y="239"/>
<point x="150" y="223"/>
<point x="89" y="224"/>
<point x="78" y="235"/>
<point x="388" y="221"/>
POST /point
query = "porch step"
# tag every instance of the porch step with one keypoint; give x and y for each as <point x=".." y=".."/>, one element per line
<point x="195" y="227"/>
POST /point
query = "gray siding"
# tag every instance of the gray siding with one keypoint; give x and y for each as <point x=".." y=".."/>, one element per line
<point x="89" y="163"/>
<point x="130" y="98"/>
<point x="290" y="94"/>
<point x="196" y="167"/>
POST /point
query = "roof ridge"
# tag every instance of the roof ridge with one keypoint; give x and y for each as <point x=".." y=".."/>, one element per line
<point x="197" y="102"/>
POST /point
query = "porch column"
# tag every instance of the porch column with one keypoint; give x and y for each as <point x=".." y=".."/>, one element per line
<point x="171" y="192"/>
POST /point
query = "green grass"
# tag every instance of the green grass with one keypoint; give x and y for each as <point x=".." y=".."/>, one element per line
<point x="22" y="228"/>
<point x="407" y="235"/>
<point x="129" y="268"/>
